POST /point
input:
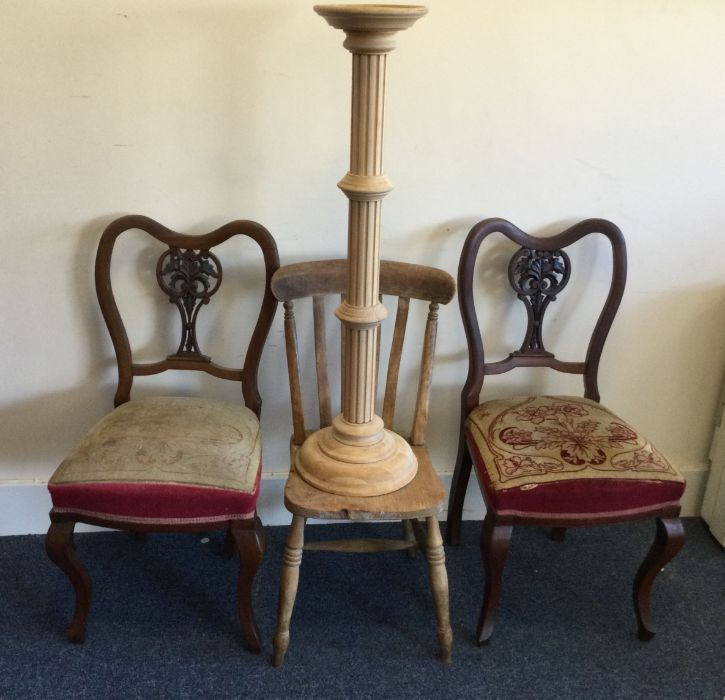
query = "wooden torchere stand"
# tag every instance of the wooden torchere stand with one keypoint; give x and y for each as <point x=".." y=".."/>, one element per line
<point x="356" y="456"/>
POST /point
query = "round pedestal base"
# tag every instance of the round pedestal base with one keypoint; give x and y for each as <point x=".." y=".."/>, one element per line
<point x="351" y="459"/>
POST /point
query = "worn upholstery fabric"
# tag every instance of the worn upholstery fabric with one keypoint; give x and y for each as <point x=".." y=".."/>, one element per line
<point x="566" y="455"/>
<point x="164" y="459"/>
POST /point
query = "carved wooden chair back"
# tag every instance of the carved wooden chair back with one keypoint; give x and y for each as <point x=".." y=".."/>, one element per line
<point x="316" y="280"/>
<point x="189" y="274"/>
<point x="525" y="475"/>
<point x="170" y="463"/>
<point x="537" y="272"/>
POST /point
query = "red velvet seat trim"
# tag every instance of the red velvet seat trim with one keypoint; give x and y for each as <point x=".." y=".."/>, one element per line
<point x="154" y="502"/>
<point x="573" y="497"/>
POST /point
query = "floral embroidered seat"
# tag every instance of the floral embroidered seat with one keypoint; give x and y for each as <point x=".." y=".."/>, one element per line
<point x="566" y="455"/>
<point x="171" y="463"/>
<point x="553" y="461"/>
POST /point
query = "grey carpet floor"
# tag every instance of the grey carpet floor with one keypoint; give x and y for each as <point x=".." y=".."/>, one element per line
<point x="163" y="624"/>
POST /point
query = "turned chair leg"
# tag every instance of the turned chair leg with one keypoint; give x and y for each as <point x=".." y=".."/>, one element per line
<point x="60" y="549"/>
<point x="459" y="483"/>
<point x="249" y="538"/>
<point x="668" y="541"/>
<point x="439" y="585"/>
<point x="288" y="586"/>
<point x="410" y="537"/>
<point x="494" y="548"/>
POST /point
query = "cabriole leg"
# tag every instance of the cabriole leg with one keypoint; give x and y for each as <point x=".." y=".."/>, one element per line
<point x="249" y="538"/>
<point x="669" y="539"/>
<point x="494" y="548"/>
<point x="60" y="549"/>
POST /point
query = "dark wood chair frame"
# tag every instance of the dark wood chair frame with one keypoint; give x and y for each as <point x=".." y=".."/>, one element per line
<point x="416" y="504"/>
<point x="496" y="529"/>
<point x="247" y="535"/>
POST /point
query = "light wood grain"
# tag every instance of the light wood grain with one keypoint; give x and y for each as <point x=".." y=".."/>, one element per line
<point x="420" y="498"/>
<point x="439" y="585"/>
<point x="288" y="586"/>
<point x="383" y="462"/>
<point x="355" y="469"/>
<point x="396" y="351"/>
<point x="323" y="384"/>
<point x="420" y="419"/>
<point x="358" y="545"/>
<point x="293" y="370"/>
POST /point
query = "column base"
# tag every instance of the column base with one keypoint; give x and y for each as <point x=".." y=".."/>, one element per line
<point x="351" y="459"/>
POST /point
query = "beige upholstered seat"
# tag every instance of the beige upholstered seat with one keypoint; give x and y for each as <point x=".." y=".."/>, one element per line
<point x="169" y="440"/>
<point x="163" y="460"/>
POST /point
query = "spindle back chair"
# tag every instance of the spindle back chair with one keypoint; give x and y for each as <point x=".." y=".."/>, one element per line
<point x="421" y="498"/>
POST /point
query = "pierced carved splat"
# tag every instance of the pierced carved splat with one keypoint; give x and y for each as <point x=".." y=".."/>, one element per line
<point x="189" y="278"/>
<point x="537" y="276"/>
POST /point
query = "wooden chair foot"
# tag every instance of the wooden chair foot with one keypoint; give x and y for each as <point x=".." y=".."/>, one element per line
<point x="230" y="546"/>
<point x="669" y="538"/>
<point x="439" y="586"/>
<point x="494" y="549"/>
<point x="461" y="475"/>
<point x="60" y="549"/>
<point x="249" y="538"/>
<point x="288" y="587"/>
<point x="558" y="534"/>
<point x="278" y="655"/>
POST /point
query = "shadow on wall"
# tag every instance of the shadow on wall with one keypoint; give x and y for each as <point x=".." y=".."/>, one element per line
<point x="36" y="433"/>
<point x="664" y="366"/>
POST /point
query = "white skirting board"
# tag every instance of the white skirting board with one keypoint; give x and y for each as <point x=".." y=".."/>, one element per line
<point x="24" y="506"/>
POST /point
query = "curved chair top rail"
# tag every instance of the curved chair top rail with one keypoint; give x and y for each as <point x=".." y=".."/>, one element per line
<point x="319" y="277"/>
<point x="550" y="265"/>
<point x="188" y="265"/>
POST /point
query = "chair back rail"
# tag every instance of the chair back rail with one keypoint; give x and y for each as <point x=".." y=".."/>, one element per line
<point x="323" y="383"/>
<point x="537" y="272"/>
<point x="318" y="279"/>
<point x="396" y="351"/>
<point x="189" y="274"/>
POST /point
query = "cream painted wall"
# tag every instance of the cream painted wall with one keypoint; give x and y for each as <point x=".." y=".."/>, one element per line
<point x="195" y="112"/>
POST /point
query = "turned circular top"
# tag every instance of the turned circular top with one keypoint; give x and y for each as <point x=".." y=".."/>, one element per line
<point x="371" y="18"/>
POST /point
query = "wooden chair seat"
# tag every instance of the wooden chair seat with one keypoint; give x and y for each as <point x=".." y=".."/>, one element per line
<point x="422" y="497"/>
<point x="164" y="460"/>
<point x="566" y="456"/>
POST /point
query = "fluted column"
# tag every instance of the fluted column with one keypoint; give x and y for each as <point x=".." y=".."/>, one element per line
<point x="356" y="456"/>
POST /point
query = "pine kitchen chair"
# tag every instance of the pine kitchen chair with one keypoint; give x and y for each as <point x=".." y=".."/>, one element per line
<point x="422" y="498"/>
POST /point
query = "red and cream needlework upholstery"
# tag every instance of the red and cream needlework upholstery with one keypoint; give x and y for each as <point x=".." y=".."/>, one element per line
<point x="172" y="459"/>
<point x="566" y="454"/>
